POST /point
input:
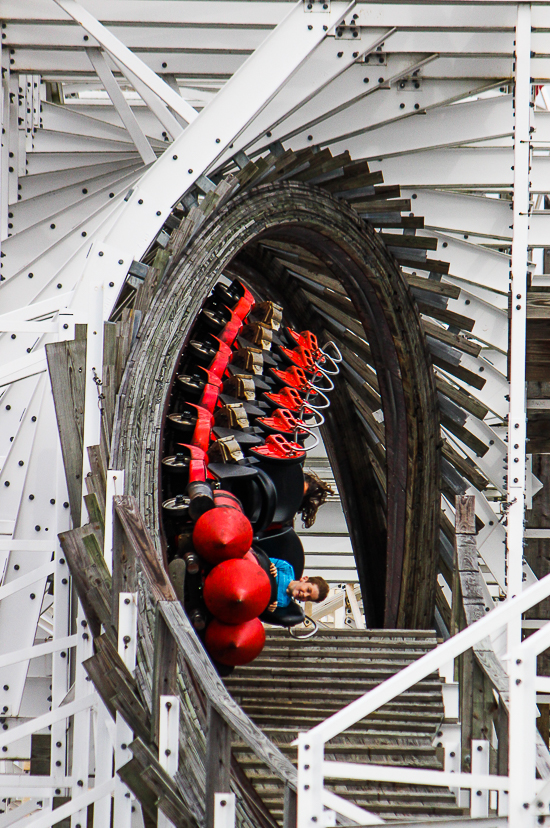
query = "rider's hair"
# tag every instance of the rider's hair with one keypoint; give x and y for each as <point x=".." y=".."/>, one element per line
<point x="321" y="585"/>
<point x="317" y="492"/>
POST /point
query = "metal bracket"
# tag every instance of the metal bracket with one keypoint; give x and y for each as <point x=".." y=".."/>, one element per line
<point x="409" y="84"/>
<point x="351" y="32"/>
<point x="376" y="58"/>
<point x="319" y="6"/>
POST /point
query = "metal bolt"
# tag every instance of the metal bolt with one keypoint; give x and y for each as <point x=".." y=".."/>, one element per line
<point x="6" y="687"/>
<point x="126" y="600"/>
<point x="480" y="748"/>
<point x="167" y="752"/>
<point x="223" y="803"/>
<point x="518" y="681"/>
<point x="80" y="783"/>
<point x="478" y="793"/>
<point x="174" y="158"/>
<point x="124" y="746"/>
<point x="111" y="284"/>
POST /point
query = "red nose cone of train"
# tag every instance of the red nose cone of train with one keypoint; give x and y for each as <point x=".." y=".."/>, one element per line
<point x="237" y="591"/>
<point x="235" y="645"/>
<point x="222" y="533"/>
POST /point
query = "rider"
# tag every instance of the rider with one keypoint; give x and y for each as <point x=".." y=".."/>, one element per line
<point x="288" y="588"/>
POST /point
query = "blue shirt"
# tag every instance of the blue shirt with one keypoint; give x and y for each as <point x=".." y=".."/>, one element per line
<point x="285" y="574"/>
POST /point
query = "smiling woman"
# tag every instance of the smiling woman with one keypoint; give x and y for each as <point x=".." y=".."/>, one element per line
<point x="314" y="256"/>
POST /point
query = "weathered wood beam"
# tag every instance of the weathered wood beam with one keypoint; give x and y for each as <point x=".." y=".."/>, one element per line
<point x="192" y="651"/>
<point x="67" y="368"/>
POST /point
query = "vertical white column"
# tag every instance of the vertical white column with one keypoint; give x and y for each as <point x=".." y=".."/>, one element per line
<point x="479" y="799"/>
<point x="310" y="782"/>
<point x="169" y="728"/>
<point x="224" y="810"/>
<point x="518" y="288"/>
<point x="522" y="741"/>
<point x="127" y="648"/>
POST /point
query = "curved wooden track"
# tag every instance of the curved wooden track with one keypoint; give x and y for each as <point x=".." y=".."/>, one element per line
<point x="394" y="527"/>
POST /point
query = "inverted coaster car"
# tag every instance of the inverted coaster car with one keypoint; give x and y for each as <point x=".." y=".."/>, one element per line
<point x="246" y="395"/>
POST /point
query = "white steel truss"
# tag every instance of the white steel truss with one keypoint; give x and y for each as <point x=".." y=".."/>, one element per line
<point x="111" y="110"/>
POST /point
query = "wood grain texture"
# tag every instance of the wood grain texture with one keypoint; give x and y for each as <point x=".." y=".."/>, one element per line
<point x="91" y="576"/>
<point x="139" y="537"/>
<point x="218" y="760"/>
<point x="357" y="258"/>
<point x="67" y="368"/>
<point x="192" y="651"/>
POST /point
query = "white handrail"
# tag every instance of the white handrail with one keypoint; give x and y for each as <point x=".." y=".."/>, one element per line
<point x="415" y="672"/>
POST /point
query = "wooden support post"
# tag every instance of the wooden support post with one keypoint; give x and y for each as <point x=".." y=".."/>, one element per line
<point x="465" y="563"/>
<point x="290" y="808"/>
<point x="67" y="367"/>
<point x="502" y="736"/>
<point x="124" y="566"/>
<point x="164" y="670"/>
<point x="218" y="761"/>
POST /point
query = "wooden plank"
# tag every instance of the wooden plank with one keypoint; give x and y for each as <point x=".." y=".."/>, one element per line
<point x="96" y="478"/>
<point x="290" y="808"/>
<point x="218" y="760"/>
<point x="164" y="682"/>
<point x="461" y="397"/>
<point x="455" y="340"/>
<point x="95" y="515"/>
<point x="465" y="466"/>
<point x="139" y="537"/>
<point x="169" y="799"/>
<point x="124" y="567"/>
<point x="347" y="184"/>
<point x="131" y="775"/>
<point x="465" y="507"/>
<point x="91" y="577"/>
<point x="109" y="386"/>
<point x="117" y="687"/>
<point x="193" y="653"/>
<point x="67" y="368"/>
<point x="430" y="285"/>
<point x="466" y="436"/>
<point x="416" y="242"/>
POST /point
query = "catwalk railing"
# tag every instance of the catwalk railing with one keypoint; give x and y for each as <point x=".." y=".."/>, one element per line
<point x="522" y="798"/>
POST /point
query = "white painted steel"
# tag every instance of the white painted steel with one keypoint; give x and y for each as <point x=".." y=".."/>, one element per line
<point x="125" y="57"/>
<point x="517" y="421"/>
<point x="169" y="733"/>
<point x="224" y="810"/>
<point x="296" y="83"/>
<point x="127" y="650"/>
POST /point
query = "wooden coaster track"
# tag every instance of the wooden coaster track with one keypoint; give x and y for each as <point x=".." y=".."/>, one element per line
<point x="292" y="227"/>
